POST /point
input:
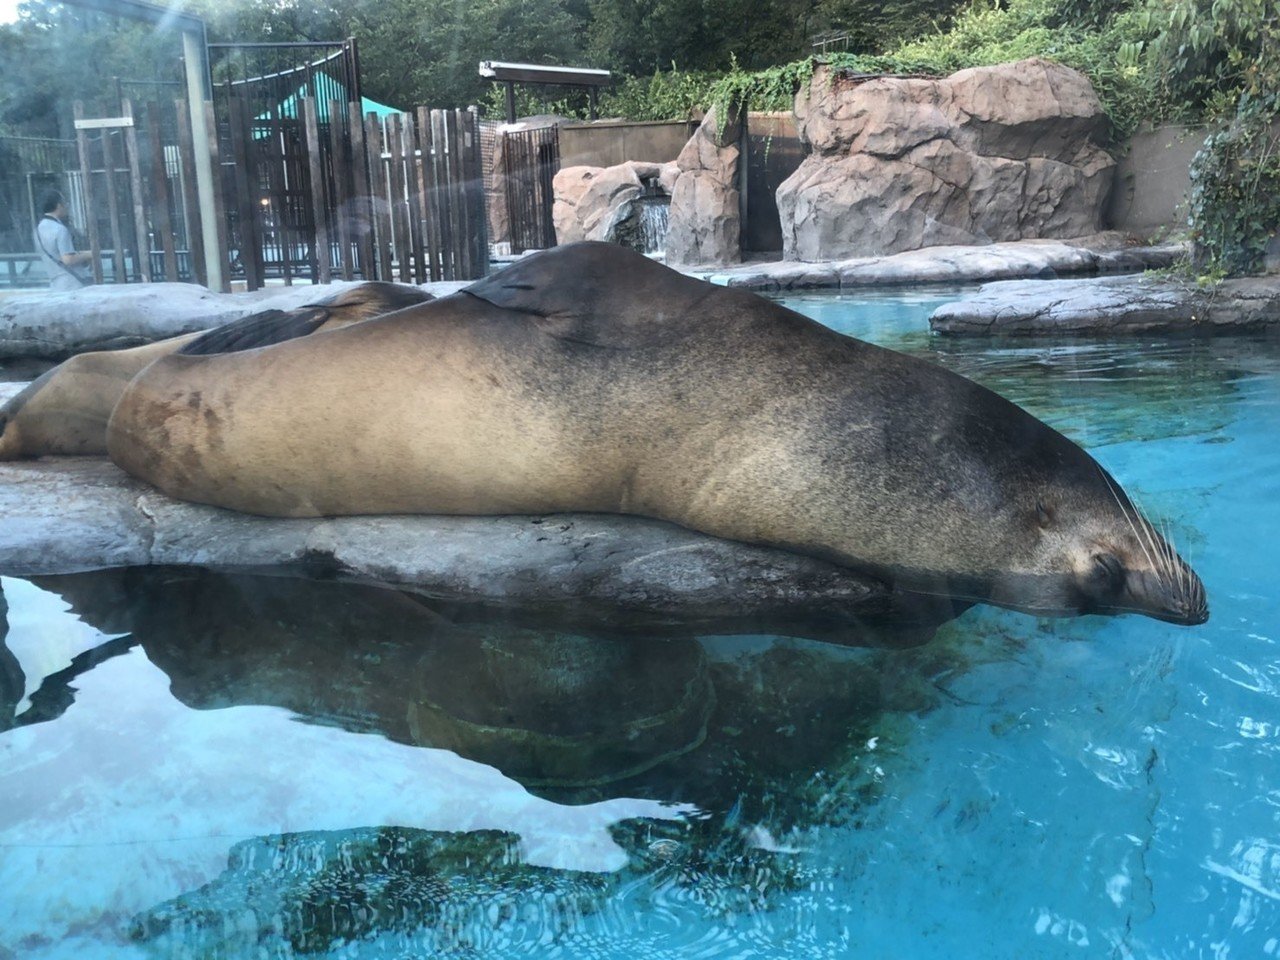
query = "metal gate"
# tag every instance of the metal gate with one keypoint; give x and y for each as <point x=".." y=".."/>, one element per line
<point x="286" y="147"/>
<point x="530" y="161"/>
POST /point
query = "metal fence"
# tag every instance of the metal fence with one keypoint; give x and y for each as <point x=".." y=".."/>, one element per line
<point x="530" y="160"/>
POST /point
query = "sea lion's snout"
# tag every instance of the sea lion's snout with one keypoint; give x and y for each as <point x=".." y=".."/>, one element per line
<point x="1174" y="595"/>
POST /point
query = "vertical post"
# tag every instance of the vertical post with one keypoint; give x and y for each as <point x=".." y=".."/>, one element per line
<point x="142" y="240"/>
<point x="86" y="177"/>
<point x="190" y="195"/>
<point x="593" y="97"/>
<point x="343" y="196"/>
<point x="160" y="193"/>
<point x="319" y="213"/>
<point x="511" y="101"/>
<point x="205" y="148"/>
<point x="362" y="206"/>
<point x="215" y="259"/>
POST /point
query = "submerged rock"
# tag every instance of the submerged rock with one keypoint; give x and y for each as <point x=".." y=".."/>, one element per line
<point x="1131" y="304"/>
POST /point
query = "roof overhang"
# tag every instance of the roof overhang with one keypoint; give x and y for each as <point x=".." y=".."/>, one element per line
<point x="533" y="73"/>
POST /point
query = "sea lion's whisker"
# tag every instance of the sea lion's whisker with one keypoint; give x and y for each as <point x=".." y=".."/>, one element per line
<point x="1111" y="486"/>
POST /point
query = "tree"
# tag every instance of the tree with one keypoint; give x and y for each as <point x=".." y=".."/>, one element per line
<point x="68" y="54"/>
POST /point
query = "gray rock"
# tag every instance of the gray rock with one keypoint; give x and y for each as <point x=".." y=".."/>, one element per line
<point x="705" y="218"/>
<point x="56" y="325"/>
<point x="986" y="155"/>
<point x="75" y="514"/>
<point x="1132" y="304"/>
<point x="596" y="203"/>
<point x="952" y="264"/>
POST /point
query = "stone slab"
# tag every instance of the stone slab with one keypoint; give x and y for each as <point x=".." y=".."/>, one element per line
<point x="75" y="514"/>
<point x="54" y="325"/>
<point x="949" y="264"/>
<point x="1112" y="305"/>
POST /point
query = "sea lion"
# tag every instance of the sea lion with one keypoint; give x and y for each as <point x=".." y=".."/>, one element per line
<point x="65" y="411"/>
<point x="589" y="378"/>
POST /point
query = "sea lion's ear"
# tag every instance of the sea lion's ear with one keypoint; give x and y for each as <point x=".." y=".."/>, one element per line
<point x="258" y="330"/>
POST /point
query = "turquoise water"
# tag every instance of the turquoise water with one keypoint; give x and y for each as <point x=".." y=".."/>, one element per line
<point x="217" y="765"/>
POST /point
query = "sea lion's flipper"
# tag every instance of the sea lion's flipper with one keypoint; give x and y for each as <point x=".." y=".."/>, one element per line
<point x="258" y="330"/>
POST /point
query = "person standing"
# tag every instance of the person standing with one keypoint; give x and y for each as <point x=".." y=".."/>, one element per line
<point x="67" y="269"/>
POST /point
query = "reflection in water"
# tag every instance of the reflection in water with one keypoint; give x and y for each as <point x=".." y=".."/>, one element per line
<point x="551" y="709"/>
<point x="740" y="726"/>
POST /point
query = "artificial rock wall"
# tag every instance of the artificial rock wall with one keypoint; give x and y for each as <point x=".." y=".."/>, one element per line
<point x="988" y="154"/>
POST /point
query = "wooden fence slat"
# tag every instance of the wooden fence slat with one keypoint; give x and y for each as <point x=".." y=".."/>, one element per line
<point x="320" y="251"/>
<point x="343" y="196"/>
<point x="362" y="206"/>
<point x="459" y="191"/>
<point x="246" y="193"/>
<point x="86" y="188"/>
<point x="399" y="211"/>
<point x="457" y="208"/>
<point x="190" y="196"/>
<point x="439" y="136"/>
<point x="431" y="217"/>
<point x="413" y="186"/>
<point x="381" y="212"/>
<point x="160" y="209"/>
<point x="219" y="194"/>
<point x="142" y="242"/>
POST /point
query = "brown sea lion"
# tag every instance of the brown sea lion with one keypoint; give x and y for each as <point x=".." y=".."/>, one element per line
<point x="589" y="378"/>
<point x="64" y="412"/>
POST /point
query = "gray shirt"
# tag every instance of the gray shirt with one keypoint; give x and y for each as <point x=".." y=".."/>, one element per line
<point x="53" y="241"/>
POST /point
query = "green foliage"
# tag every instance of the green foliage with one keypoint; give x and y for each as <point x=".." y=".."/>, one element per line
<point x="1235" y="178"/>
<point x="68" y="53"/>
<point x="665" y="95"/>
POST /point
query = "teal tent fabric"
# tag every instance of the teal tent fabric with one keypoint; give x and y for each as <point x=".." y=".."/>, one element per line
<point x="289" y="108"/>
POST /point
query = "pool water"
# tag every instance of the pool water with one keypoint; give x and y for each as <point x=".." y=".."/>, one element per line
<point x="211" y="764"/>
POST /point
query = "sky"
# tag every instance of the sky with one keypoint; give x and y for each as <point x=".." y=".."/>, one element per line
<point x="8" y="11"/>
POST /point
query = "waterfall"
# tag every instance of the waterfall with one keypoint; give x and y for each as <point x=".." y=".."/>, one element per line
<point x="652" y="213"/>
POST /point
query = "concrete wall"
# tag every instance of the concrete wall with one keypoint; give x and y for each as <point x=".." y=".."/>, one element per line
<point x="1152" y="180"/>
<point x="607" y="143"/>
